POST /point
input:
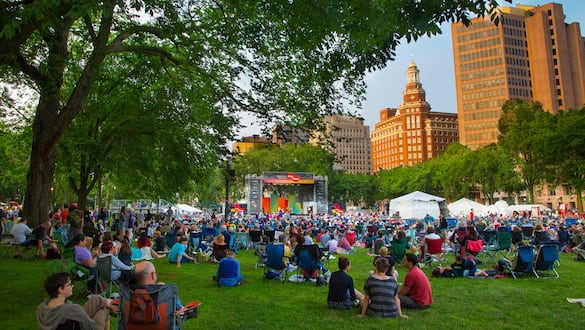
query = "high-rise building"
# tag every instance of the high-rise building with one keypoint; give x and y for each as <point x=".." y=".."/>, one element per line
<point x="532" y="54"/>
<point x="412" y="133"/>
<point x="349" y="139"/>
<point x="248" y="143"/>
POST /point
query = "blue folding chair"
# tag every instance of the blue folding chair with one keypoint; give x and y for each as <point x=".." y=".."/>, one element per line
<point x="547" y="254"/>
<point x="275" y="261"/>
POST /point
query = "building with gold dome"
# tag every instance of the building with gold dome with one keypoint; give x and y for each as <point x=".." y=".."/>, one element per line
<point x="411" y="133"/>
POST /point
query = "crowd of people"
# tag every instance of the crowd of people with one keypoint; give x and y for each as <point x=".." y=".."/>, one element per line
<point x="128" y="237"/>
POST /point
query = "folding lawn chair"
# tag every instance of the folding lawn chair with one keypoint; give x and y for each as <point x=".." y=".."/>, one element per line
<point x="473" y="249"/>
<point x="255" y="237"/>
<point x="488" y="237"/>
<point x="527" y="231"/>
<point x="275" y="261"/>
<point x="270" y="235"/>
<point x="104" y="275"/>
<point x="260" y="252"/>
<point x="309" y="260"/>
<point x="152" y="307"/>
<point x="502" y="247"/>
<point x="524" y="262"/>
<point x="540" y="237"/>
<point x="546" y="256"/>
<point x="433" y="251"/>
<point x="242" y="240"/>
<point x="398" y="248"/>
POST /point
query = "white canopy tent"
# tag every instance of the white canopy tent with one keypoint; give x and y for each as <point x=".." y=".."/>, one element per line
<point x="184" y="209"/>
<point x="536" y="209"/>
<point x="462" y="207"/>
<point x="417" y="205"/>
<point x="499" y="208"/>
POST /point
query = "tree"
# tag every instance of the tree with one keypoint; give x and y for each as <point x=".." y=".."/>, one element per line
<point x="159" y="133"/>
<point x="289" y="61"/>
<point x="14" y="151"/>
<point x="519" y="130"/>
<point x="561" y="146"/>
<point x="493" y="170"/>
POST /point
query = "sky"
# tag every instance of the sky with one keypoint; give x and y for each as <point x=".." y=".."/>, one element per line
<point x="434" y="59"/>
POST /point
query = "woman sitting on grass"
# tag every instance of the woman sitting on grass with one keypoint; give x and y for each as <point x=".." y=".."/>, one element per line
<point x="57" y="312"/>
<point x="342" y="293"/>
<point x="381" y="293"/>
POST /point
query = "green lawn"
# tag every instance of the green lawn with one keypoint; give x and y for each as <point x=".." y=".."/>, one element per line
<point x="526" y="303"/>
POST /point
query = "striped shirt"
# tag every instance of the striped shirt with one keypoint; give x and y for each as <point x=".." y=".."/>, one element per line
<point x="381" y="294"/>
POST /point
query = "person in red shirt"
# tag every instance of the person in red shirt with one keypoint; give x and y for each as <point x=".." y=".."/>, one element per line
<point x="415" y="292"/>
<point x="64" y="213"/>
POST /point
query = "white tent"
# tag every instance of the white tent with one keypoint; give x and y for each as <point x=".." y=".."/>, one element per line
<point x="417" y="205"/>
<point x="528" y="207"/>
<point x="462" y="207"/>
<point x="184" y="209"/>
<point x="499" y="208"/>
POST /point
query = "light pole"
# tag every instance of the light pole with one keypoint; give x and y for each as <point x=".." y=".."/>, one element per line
<point x="230" y="175"/>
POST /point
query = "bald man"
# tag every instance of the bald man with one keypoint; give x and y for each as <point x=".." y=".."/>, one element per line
<point x="145" y="274"/>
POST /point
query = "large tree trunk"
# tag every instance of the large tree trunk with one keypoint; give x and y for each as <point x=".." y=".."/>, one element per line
<point x="42" y="162"/>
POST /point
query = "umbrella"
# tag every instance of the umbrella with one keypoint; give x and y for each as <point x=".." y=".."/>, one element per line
<point x="15" y="203"/>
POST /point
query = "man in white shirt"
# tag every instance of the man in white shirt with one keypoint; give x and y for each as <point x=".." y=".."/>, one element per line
<point x="431" y="233"/>
<point x="19" y="232"/>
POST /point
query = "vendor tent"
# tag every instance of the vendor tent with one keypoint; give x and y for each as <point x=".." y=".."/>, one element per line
<point x="462" y="207"/>
<point x="184" y="209"/>
<point x="498" y="208"/>
<point x="417" y="205"/>
<point x="536" y="209"/>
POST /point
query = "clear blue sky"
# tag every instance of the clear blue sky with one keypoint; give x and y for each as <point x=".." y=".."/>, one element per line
<point x="434" y="58"/>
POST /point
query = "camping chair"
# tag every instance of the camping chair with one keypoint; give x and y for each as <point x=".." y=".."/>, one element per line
<point x="399" y="248"/>
<point x="242" y="240"/>
<point x="516" y="237"/>
<point x="270" y="235"/>
<point x="195" y="241"/>
<point x="473" y="249"/>
<point x="275" y="260"/>
<point x="540" y="237"/>
<point x="255" y="237"/>
<point x="432" y="250"/>
<point x="488" y="237"/>
<point x="502" y="247"/>
<point x="564" y="239"/>
<point x="546" y="256"/>
<point x="524" y="262"/>
<point x="260" y="252"/>
<point x="208" y="234"/>
<point x="351" y="236"/>
<point x="104" y="275"/>
<point x="527" y="231"/>
<point x="309" y="260"/>
<point x="152" y="307"/>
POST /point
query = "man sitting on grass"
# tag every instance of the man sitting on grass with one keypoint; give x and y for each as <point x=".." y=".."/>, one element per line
<point x="416" y="291"/>
<point x="228" y="271"/>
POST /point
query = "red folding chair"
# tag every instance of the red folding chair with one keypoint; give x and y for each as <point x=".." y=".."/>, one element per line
<point x="433" y="251"/>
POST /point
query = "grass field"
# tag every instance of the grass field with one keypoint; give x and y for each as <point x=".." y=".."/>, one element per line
<point x="526" y="303"/>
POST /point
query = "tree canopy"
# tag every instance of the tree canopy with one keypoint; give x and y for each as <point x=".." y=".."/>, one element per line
<point x="284" y="61"/>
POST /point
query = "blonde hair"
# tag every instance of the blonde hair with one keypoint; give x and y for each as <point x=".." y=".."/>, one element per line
<point x="383" y="251"/>
<point x="220" y="239"/>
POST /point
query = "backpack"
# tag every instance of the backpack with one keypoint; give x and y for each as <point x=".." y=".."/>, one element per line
<point x="53" y="253"/>
<point x="143" y="308"/>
